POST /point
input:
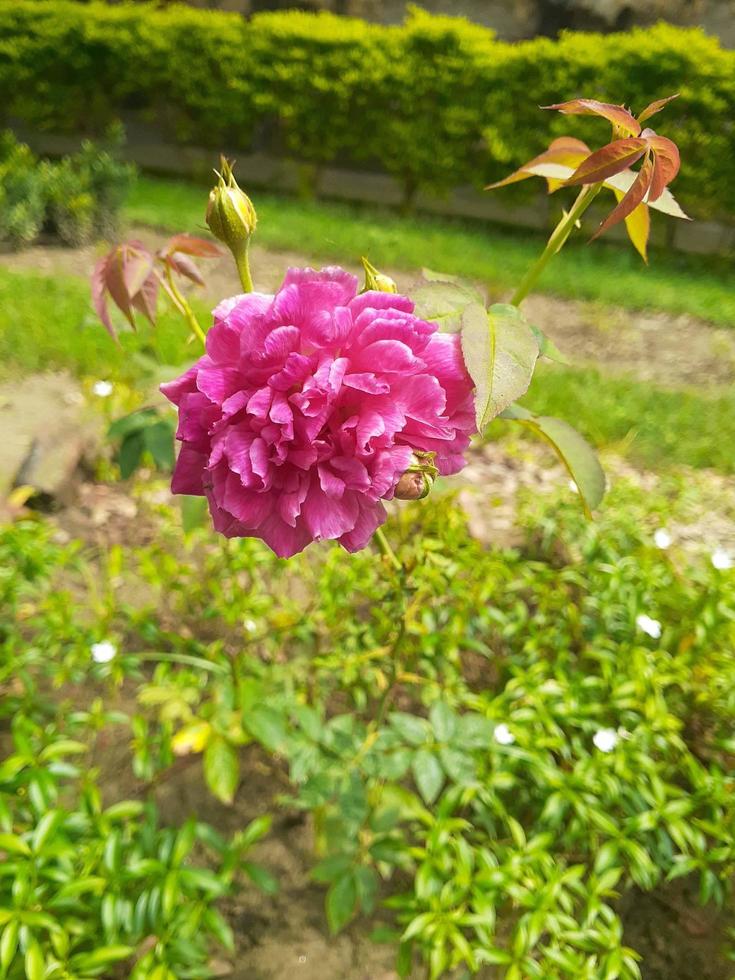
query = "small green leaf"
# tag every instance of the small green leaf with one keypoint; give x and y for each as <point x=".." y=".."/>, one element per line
<point x="414" y="730"/>
<point x="221" y="769"/>
<point x="500" y="353"/>
<point x="443" y="299"/>
<point x="35" y="963"/>
<point x="159" y="441"/>
<point x="45" y="829"/>
<point x="443" y="721"/>
<point x="8" y="944"/>
<point x="101" y="957"/>
<point x="261" y="877"/>
<point x="14" y="844"/>
<point x="267" y="725"/>
<point x="341" y="902"/>
<point x="428" y="773"/>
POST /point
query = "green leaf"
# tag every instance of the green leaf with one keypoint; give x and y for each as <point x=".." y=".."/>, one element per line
<point x="443" y="721"/>
<point x="500" y="353"/>
<point x="574" y="451"/>
<point x="428" y="773"/>
<point x="131" y="450"/>
<point x="267" y="725"/>
<point x="101" y="957"/>
<point x="414" y="730"/>
<point x="8" y="944"/>
<point x="221" y="769"/>
<point x="443" y="299"/>
<point x="260" y="877"/>
<point x="45" y="829"/>
<point x="14" y="844"/>
<point x="159" y="441"/>
<point x="546" y="346"/>
<point x="128" y="424"/>
<point x="341" y="902"/>
<point x="35" y="963"/>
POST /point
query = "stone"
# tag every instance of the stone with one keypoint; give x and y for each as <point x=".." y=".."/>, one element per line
<point x="47" y="431"/>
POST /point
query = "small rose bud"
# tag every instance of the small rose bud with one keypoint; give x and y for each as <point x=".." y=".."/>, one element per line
<point x="418" y="479"/>
<point x="231" y="218"/>
<point x="376" y="280"/>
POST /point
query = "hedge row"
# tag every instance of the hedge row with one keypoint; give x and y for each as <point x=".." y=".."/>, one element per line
<point x="437" y="102"/>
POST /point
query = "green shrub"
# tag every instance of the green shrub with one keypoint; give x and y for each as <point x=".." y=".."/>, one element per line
<point x="437" y="102"/>
<point x="22" y="197"/>
<point x="78" y="198"/>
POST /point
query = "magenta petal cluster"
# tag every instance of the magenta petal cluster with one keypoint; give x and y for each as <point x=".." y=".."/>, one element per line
<point x="305" y="410"/>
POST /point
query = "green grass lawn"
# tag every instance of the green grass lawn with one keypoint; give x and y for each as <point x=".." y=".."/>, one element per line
<point x="610" y="274"/>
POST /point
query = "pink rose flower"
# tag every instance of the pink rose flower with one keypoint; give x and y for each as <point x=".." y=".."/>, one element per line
<point x="304" y="412"/>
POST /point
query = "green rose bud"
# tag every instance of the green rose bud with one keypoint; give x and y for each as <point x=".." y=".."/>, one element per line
<point x="376" y="280"/>
<point x="231" y="218"/>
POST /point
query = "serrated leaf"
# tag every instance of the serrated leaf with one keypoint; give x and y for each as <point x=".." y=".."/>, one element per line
<point x="546" y="346"/>
<point x="500" y="353"/>
<point x="414" y="730"/>
<point x="192" y="245"/>
<point x="428" y="773"/>
<point x="443" y="301"/>
<point x="221" y="769"/>
<point x="574" y="451"/>
<point x="655" y="107"/>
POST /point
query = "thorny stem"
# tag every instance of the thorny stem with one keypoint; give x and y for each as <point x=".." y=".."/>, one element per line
<point x="556" y="241"/>
<point x="183" y="307"/>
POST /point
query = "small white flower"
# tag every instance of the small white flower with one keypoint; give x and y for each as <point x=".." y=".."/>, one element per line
<point x="722" y="560"/>
<point x="103" y="389"/>
<point x="573" y="486"/>
<point x="662" y="539"/>
<point x="503" y="735"/>
<point x="606" y="739"/>
<point x="104" y="652"/>
<point x="651" y="627"/>
<point x="250" y="625"/>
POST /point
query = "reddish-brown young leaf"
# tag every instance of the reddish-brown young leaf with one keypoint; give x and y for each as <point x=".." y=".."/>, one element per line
<point x="137" y="265"/>
<point x="99" y="301"/>
<point x="618" y="115"/>
<point x="608" y="160"/>
<point x="115" y="283"/>
<point x="631" y="200"/>
<point x="146" y="299"/>
<point x="184" y="266"/>
<point x="655" y="107"/>
<point x="565" y="150"/>
<point x="667" y="162"/>
<point x="191" y="245"/>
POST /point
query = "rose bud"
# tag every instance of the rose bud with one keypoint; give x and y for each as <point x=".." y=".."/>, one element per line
<point x="376" y="281"/>
<point x="418" y="479"/>
<point x="231" y="218"/>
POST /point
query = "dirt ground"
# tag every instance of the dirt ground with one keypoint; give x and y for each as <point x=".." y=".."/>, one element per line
<point x="285" y="937"/>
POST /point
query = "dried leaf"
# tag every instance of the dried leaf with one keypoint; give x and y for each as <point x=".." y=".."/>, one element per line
<point x="608" y="160"/>
<point x="618" y="115"/>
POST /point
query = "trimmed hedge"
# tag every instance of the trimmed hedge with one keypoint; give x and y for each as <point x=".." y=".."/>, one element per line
<point x="437" y="102"/>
